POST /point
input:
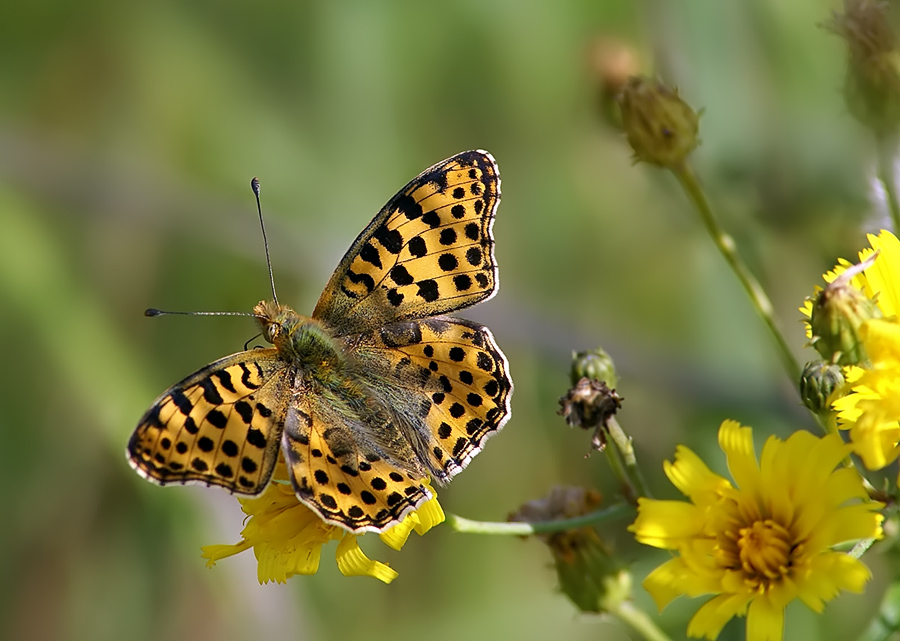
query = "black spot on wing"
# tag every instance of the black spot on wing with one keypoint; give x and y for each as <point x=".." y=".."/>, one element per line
<point x="428" y="290"/>
<point x="417" y="247"/>
<point x="390" y="239"/>
<point x="369" y="254"/>
<point x="361" y="279"/>
<point x="408" y="206"/>
<point x="225" y="380"/>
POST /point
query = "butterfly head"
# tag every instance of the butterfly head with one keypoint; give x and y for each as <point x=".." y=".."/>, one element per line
<point x="276" y="321"/>
<point x="303" y="340"/>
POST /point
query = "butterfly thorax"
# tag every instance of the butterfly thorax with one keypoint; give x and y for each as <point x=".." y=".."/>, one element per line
<point x="302" y="341"/>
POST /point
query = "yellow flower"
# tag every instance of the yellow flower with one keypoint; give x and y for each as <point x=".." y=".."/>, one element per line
<point x="287" y="537"/>
<point x="870" y="408"/>
<point x="872" y="411"/>
<point x="764" y="543"/>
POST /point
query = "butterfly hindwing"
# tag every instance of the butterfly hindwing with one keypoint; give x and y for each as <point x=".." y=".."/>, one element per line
<point x="449" y="378"/>
<point x="342" y="474"/>
<point x="219" y="426"/>
<point x="429" y="251"/>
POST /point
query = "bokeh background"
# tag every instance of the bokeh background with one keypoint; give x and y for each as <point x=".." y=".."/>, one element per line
<point x="128" y="136"/>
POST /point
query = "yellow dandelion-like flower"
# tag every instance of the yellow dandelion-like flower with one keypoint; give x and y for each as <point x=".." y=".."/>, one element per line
<point x="764" y="541"/>
<point x="287" y="537"/>
<point x="870" y="406"/>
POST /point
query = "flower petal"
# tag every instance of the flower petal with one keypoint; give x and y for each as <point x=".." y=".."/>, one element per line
<point x="422" y="520"/>
<point x="737" y="443"/>
<point x="884" y="275"/>
<point x="829" y="573"/>
<point x="692" y="476"/>
<point x="765" y="622"/>
<point x="352" y="562"/>
<point x="712" y="616"/>
<point x="674" y="578"/>
<point x="666" y="524"/>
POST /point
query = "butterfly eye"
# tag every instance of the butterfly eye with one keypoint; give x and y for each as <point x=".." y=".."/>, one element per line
<point x="272" y="330"/>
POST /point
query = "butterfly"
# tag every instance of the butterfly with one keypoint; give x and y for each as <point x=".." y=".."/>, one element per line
<point x="376" y="392"/>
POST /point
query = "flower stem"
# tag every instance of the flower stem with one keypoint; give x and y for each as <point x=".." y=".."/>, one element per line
<point x="631" y="475"/>
<point x="638" y="620"/>
<point x="860" y="548"/>
<point x="886" y="177"/>
<point x="468" y="526"/>
<point x="726" y="246"/>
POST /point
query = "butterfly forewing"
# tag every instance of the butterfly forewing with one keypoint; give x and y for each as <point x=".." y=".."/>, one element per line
<point x="220" y="426"/>
<point x="429" y="251"/>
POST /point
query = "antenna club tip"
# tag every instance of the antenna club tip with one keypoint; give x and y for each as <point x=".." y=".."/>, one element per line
<point x="152" y="311"/>
<point x="254" y="184"/>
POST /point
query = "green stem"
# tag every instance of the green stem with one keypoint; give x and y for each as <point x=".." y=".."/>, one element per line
<point x="631" y="476"/>
<point x="468" y="526"/>
<point x="638" y="620"/>
<point x="726" y="246"/>
<point x="886" y="176"/>
<point x="861" y="548"/>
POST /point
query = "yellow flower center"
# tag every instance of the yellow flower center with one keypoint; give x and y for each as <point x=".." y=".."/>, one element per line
<point x="764" y="549"/>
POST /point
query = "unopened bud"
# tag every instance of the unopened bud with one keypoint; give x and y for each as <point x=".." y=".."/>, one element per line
<point x="872" y="83"/>
<point x="595" y="365"/>
<point x="837" y="315"/>
<point x="818" y="384"/>
<point x="661" y="128"/>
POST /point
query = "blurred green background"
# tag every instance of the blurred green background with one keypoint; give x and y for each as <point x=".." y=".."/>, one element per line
<point x="128" y="136"/>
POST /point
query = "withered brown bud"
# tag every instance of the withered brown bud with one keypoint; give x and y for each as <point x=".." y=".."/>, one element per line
<point x="588" y="574"/>
<point x="589" y="404"/>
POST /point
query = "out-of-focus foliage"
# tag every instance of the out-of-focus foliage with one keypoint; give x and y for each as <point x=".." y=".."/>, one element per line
<point x="128" y="136"/>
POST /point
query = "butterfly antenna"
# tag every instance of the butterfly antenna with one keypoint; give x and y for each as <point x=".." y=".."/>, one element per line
<point x="254" y="184"/>
<point x="152" y="311"/>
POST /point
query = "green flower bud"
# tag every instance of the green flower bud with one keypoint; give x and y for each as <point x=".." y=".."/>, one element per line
<point x="595" y="365"/>
<point x="837" y="314"/>
<point x="661" y="128"/>
<point x="818" y="384"/>
<point x="872" y="83"/>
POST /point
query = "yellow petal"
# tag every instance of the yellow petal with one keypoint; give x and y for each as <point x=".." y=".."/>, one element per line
<point x="423" y="519"/>
<point x="884" y="275"/>
<point x="218" y="552"/>
<point x="663" y="584"/>
<point x="692" y="476"/>
<point x="666" y="524"/>
<point x="715" y="613"/>
<point x="429" y="515"/>
<point x="737" y="443"/>
<point x="765" y="622"/>
<point x="352" y="562"/>
<point x="828" y="574"/>
<point x="882" y="340"/>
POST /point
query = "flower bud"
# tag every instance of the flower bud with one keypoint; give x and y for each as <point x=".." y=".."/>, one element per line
<point x="595" y="364"/>
<point x="838" y="312"/>
<point x="872" y="83"/>
<point x="588" y="574"/>
<point x="818" y="383"/>
<point x="611" y="63"/>
<point x="589" y="404"/>
<point x="661" y="128"/>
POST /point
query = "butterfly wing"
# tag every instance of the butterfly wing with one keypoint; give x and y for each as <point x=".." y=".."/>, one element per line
<point x="219" y="426"/>
<point x="447" y="383"/>
<point x="347" y="460"/>
<point x="429" y="251"/>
